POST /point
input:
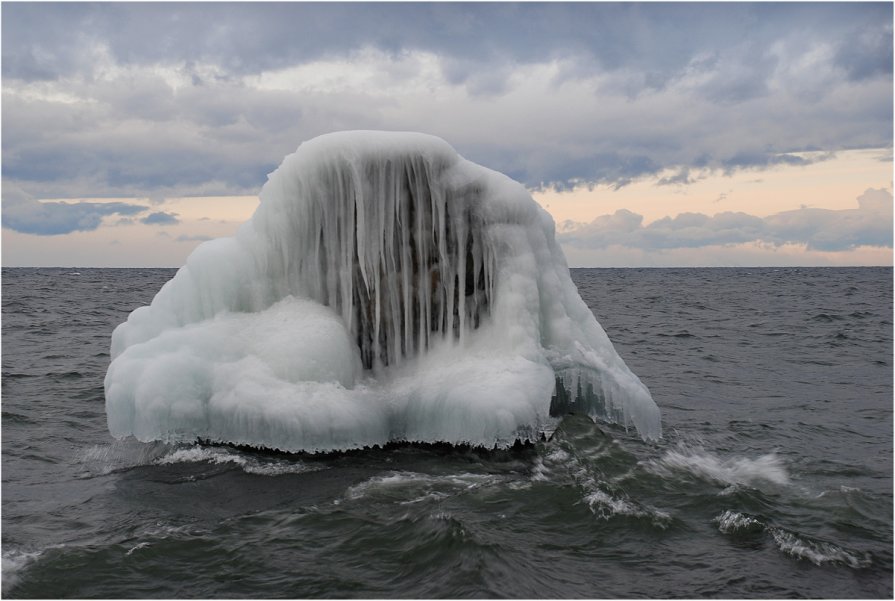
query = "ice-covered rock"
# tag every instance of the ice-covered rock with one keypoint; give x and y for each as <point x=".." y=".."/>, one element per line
<point x="385" y="289"/>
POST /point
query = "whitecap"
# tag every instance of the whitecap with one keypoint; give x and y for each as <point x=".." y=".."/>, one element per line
<point x="792" y="544"/>
<point x="15" y="562"/>
<point x="817" y="552"/>
<point x="421" y="487"/>
<point x="731" y="522"/>
<point x="733" y="471"/>
<point x="562" y="467"/>
<point x="137" y="547"/>
<point x="250" y="465"/>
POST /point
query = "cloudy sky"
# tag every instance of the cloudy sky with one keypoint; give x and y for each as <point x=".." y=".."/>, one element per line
<point x="656" y="134"/>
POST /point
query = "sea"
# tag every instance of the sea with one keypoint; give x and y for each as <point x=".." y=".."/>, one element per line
<point x="773" y="478"/>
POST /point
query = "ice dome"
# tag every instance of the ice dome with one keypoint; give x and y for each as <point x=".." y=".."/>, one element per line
<point x="386" y="289"/>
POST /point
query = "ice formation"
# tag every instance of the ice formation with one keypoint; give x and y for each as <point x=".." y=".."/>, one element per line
<point x="386" y="289"/>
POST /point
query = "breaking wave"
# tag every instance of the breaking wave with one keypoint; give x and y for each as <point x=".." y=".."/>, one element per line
<point x="764" y="470"/>
<point x="792" y="544"/>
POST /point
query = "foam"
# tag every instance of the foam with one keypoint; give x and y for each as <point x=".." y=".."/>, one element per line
<point x="604" y="500"/>
<point x="817" y="552"/>
<point x="247" y="464"/>
<point x="792" y="544"/>
<point x="385" y="289"/>
<point x="14" y="563"/>
<point x="732" y="522"/>
<point x="421" y="487"/>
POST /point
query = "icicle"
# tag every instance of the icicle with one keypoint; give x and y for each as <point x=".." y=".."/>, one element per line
<point x="460" y="228"/>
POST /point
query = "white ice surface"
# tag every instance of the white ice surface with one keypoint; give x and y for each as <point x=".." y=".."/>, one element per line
<point x="346" y="313"/>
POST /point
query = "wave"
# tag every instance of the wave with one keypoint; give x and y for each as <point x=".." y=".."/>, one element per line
<point x="152" y="534"/>
<point x="250" y="465"/>
<point x="764" y="470"/>
<point x="15" y="562"/>
<point x="408" y="488"/>
<point x="101" y="460"/>
<point x="602" y="498"/>
<point x="127" y="453"/>
<point x="795" y="545"/>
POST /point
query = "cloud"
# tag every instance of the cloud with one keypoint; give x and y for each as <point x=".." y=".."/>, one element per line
<point x="867" y="52"/>
<point x="160" y="218"/>
<point x="822" y="229"/>
<point x="817" y="229"/>
<point x="188" y="238"/>
<point x="179" y="99"/>
<point x="682" y="177"/>
<point x="22" y="213"/>
<point x="611" y="35"/>
<point x="763" y="160"/>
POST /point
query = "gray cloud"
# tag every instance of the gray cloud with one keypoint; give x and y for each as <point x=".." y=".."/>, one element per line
<point x="867" y="52"/>
<point x="818" y="229"/>
<point x="160" y="218"/>
<point x="682" y="177"/>
<point x="762" y="160"/>
<point x="821" y="229"/>
<point x="24" y="214"/>
<point x="636" y="88"/>
<point x="240" y="36"/>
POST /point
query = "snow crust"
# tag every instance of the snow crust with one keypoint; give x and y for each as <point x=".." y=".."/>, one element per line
<point x="385" y="289"/>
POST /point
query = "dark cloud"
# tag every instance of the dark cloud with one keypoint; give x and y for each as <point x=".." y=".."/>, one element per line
<point x="160" y="218"/>
<point x="818" y="229"/>
<point x="24" y="214"/>
<point x="866" y="52"/>
<point x="543" y="168"/>
<point x="251" y="37"/>
<point x="763" y="160"/>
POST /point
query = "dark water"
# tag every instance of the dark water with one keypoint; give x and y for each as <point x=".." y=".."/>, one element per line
<point x="774" y="477"/>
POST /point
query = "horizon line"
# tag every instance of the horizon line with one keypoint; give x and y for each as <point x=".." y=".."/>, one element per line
<point x="593" y="267"/>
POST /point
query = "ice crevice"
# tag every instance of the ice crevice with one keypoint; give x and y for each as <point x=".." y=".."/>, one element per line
<point x="385" y="289"/>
